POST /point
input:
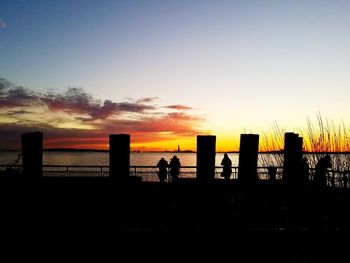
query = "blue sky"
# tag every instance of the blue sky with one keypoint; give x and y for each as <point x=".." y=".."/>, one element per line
<point x="240" y="64"/>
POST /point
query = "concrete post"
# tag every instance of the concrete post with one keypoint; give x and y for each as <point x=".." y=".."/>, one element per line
<point x="206" y="150"/>
<point x="293" y="145"/>
<point x="248" y="158"/>
<point x="32" y="154"/>
<point x="119" y="155"/>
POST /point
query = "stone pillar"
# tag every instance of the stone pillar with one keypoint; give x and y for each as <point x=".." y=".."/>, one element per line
<point x="248" y="158"/>
<point x="32" y="154"/>
<point x="293" y="151"/>
<point x="119" y="155"/>
<point x="206" y="149"/>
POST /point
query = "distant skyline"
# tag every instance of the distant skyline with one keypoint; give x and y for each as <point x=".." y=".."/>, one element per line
<point x="165" y="71"/>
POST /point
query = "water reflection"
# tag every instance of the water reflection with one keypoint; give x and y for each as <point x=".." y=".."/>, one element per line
<point x="339" y="161"/>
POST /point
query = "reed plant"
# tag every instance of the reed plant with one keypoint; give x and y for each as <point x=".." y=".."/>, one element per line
<point x="273" y="144"/>
<point x="320" y="137"/>
<point x="325" y="137"/>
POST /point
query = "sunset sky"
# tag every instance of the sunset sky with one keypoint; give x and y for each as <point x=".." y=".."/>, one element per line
<point x="165" y="71"/>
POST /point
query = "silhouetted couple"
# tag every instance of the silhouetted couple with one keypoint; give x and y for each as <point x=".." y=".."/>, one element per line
<point x="174" y="169"/>
<point x="227" y="167"/>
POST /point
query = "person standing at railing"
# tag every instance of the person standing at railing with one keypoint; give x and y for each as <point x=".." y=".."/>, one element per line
<point x="227" y="167"/>
<point x="272" y="171"/>
<point x="320" y="178"/>
<point x="174" y="168"/>
<point x="163" y="169"/>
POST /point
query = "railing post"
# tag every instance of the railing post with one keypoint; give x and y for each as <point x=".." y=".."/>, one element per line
<point x="32" y="154"/>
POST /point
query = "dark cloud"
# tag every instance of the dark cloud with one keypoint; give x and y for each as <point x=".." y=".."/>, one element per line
<point x="103" y="112"/>
<point x="147" y="100"/>
<point x="11" y="134"/>
<point x="179" y="107"/>
<point x="4" y="84"/>
<point x="72" y="101"/>
<point x="15" y="96"/>
<point x="18" y="112"/>
<point x="53" y="136"/>
<point x="76" y="100"/>
<point x="9" y="104"/>
<point x="134" y="107"/>
<point x="21" y="94"/>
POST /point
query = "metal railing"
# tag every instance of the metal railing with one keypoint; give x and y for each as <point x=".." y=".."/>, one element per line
<point x="339" y="179"/>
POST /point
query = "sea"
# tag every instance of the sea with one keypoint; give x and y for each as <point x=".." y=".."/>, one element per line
<point x="96" y="158"/>
<point x="101" y="158"/>
<point x="89" y="158"/>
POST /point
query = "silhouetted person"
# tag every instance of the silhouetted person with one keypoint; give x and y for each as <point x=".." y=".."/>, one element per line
<point x="162" y="165"/>
<point x="227" y="167"/>
<point x="322" y="165"/>
<point x="175" y="168"/>
<point x="305" y="169"/>
<point x="272" y="170"/>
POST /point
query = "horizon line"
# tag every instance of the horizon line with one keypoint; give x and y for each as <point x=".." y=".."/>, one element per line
<point x="166" y="151"/>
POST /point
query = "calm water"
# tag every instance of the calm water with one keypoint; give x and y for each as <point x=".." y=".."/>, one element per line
<point x="151" y="159"/>
<point x="102" y="158"/>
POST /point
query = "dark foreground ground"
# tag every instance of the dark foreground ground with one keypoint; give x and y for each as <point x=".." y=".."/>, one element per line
<point x="186" y="221"/>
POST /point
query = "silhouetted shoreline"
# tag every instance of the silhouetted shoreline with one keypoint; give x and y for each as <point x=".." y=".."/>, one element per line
<point x="184" y="151"/>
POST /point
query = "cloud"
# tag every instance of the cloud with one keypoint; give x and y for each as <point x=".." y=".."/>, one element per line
<point x="179" y="107"/>
<point x="72" y="101"/>
<point x="21" y="94"/>
<point x="74" y="118"/>
<point x="9" y="104"/>
<point x="172" y="123"/>
<point x="147" y="130"/>
<point x="76" y="100"/>
<point x="4" y="84"/>
<point x="18" y="112"/>
<point x="134" y="107"/>
<point x="147" y="100"/>
<point x="2" y="24"/>
<point x="53" y="136"/>
<point x="15" y="96"/>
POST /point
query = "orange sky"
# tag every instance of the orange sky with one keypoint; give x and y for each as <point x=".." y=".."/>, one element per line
<point x="75" y="119"/>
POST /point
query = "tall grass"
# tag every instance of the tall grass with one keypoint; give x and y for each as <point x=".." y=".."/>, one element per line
<point x="325" y="137"/>
<point x="272" y="141"/>
<point x="320" y="137"/>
